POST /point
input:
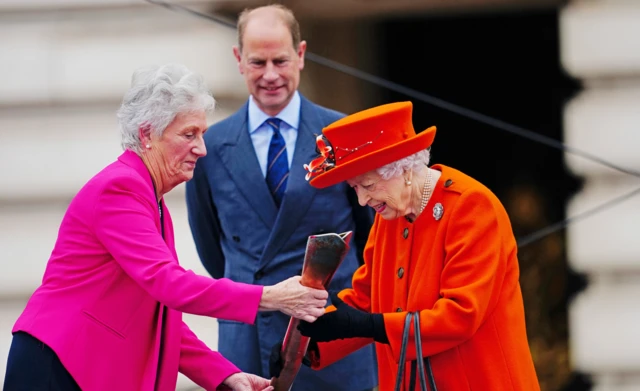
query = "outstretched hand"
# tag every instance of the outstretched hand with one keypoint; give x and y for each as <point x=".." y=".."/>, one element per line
<point x="294" y="299"/>
<point x="245" y="382"/>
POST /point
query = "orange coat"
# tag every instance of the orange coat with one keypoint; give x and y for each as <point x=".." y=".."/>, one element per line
<point x="461" y="272"/>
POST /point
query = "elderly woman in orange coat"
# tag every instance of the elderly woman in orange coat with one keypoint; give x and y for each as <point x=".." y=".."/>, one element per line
<point x="441" y="244"/>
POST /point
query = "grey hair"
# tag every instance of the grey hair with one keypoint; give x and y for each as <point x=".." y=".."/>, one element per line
<point x="157" y="94"/>
<point x="415" y="162"/>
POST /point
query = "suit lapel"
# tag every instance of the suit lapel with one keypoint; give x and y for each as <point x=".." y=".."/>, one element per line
<point x="299" y="193"/>
<point x="239" y="157"/>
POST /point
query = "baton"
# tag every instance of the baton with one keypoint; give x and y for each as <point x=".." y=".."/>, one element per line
<point x="322" y="257"/>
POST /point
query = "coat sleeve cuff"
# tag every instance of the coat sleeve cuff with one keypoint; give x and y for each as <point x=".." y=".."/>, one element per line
<point x="330" y="352"/>
<point x="394" y="325"/>
<point x="248" y="306"/>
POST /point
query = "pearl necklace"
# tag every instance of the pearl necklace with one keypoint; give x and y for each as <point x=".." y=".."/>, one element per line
<point x="426" y="191"/>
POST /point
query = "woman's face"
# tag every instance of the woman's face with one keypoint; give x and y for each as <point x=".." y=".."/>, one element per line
<point x="390" y="198"/>
<point x="180" y="146"/>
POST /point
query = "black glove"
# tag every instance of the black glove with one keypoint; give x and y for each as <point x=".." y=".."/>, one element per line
<point x="345" y="322"/>
<point x="276" y="363"/>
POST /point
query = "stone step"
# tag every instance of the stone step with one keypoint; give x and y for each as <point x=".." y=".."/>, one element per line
<point x="599" y="39"/>
<point x="603" y="121"/>
<point x="606" y="241"/>
<point x="604" y="322"/>
<point x="68" y="145"/>
<point x="89" y="55"/>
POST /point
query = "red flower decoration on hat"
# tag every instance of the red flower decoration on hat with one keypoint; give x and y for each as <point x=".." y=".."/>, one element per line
<point x="322" y="163"/>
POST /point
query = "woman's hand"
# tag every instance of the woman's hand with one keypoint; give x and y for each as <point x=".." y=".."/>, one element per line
<point x="345" y="322"/>
<point x="245" y="382"/>
<point x="294" y="299"/>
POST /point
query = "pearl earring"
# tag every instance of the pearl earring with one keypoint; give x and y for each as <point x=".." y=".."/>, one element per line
<point x="407" y="182"/>
<point x="148" y="146"/>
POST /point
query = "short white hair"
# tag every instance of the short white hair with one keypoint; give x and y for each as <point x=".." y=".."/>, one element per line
<point x="157" y="94"/>
<point x="415" y="162"/>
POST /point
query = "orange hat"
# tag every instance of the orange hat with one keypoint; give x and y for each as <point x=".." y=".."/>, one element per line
<point x="364" y="141"/>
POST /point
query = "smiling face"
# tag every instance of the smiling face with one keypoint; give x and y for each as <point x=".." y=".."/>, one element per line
<point x="390" y="198"/>
<point x="269" y="62"/>
<point x="178" y="148"/>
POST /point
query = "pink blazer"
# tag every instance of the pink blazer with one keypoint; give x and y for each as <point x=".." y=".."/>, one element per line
<point x="111" y="300"/>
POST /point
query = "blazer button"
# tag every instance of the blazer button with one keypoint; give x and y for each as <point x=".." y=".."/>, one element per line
<point x="448" y="183"/>
<point x="405" y="233"/>
<point x="259" y="274"/>
<point x="398" y="309"/>
<point x="236" y="239"/>
<point x="400" y="272"/>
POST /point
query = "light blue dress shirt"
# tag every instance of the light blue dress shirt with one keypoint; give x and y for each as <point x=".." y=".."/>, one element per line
<point x="261" y="133"/>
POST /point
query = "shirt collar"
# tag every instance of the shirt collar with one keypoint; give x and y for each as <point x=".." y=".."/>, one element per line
<point x="290" y="114"/>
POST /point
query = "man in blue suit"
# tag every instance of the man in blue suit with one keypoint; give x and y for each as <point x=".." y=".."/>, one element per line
<point x="251" y="209"/>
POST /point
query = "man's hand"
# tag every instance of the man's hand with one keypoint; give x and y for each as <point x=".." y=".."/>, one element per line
<point x="245" y="382"/>
<point x="345" y="322"/>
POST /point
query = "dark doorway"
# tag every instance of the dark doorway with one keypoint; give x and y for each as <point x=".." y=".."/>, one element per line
<point x="505" y="65"/>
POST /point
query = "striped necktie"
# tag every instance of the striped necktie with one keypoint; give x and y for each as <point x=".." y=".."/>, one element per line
<point x="277" y="164"/>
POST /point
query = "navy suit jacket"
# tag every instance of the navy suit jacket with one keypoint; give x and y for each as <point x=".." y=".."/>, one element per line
<point x="241" y="234"/>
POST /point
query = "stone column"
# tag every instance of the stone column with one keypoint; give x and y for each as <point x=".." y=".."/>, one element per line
<point x="600" y="43"/>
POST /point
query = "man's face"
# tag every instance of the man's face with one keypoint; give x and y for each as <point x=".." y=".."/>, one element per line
<point x="270" y="64"/>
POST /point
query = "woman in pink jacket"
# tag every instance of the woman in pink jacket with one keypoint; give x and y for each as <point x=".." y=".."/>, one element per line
<point x="108" y="315"/>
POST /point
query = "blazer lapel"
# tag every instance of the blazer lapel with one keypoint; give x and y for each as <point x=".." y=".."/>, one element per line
<point x="299" y="193"/>
<point x="134" y="161"/>
<point x="239" y="157"/>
